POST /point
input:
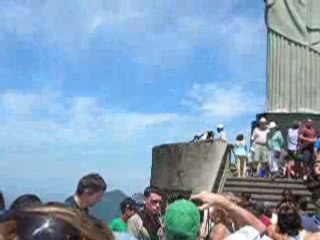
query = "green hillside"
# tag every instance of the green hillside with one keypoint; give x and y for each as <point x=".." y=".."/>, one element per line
<point x="109" y="207"/>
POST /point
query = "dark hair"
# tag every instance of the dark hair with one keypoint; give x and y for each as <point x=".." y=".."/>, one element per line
<point x="287" y="195"/>
<point x="239" y="137"/>
<point x="26" y="201"/>
<point x="2" y="202"/>
<point x="295" y="124"/>
<point x="210" y="134"/>
<point x="127" y="203"/>
<point x="245" y="195"/>
<point x="91" y="183"/>
<point x="150" y="190"/>
<point x="289" y="221"/>
<point x="64" y="224"/>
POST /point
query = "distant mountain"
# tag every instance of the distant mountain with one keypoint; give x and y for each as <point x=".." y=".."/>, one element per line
<point x="139" y="198"/>
<point x="109" y="207"/>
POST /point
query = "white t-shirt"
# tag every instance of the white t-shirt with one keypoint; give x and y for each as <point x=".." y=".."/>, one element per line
<point x="247" y="233"/>
<point x="204" y="136"/>
<point x="223" y="136"/>
<point x="259" y="136"/>
<point x="293" y="135"/>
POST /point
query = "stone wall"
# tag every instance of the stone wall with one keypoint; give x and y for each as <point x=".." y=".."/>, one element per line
<point x="187" y="167"/>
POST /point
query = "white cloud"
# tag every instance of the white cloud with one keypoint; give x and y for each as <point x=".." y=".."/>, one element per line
<point x="48" y="132"/>
<point x="49" y="118"/>
<point x="243" y="35"/>
<point x="161" y="33"/>
<point x="224" y="100"/>
<point x="42" y="133"/>
<point x="51" y="136"/>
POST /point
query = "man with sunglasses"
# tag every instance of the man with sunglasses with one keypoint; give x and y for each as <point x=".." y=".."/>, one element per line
<point x="151" y="212"/>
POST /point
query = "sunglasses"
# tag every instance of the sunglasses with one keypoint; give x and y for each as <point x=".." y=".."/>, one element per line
<point x="154" y="202"/>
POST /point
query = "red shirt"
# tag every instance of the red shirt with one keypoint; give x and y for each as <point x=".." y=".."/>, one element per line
<point x="311" y="135"/>
<point x="265" y="220"/>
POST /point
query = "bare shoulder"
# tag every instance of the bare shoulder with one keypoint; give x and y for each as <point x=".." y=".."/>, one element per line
<point x="312" y="236"/>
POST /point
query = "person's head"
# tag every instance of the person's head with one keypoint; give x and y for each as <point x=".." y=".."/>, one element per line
<point x="287" y="196"/>
<point x="220" y="127"/>
<point x="91" y="189"/>
<point x="309" y="124"/>
<point x="295" y="124"/>
<point x="182" y="221"/>
<point x="153" y="200"/>
<point x="239" y="137"/>
<point x="263" y="123"/>
<point x="245" y="197"/>
<point x="128" y="208"/>
<point x="26" y="201"/>
<point x="210" y="135"/>
<point x="220" y="216"/>
<point x="289" y="221"/>
<point x="52" y="222"/>
<point x="273" y="126"/>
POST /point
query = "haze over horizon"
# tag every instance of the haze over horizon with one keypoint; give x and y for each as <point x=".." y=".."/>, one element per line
<point x="93" y="86"/>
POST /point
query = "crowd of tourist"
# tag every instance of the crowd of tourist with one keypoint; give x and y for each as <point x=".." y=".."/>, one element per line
<point x="274" y="154"/>
<point x="209" y="136"/>
<point x="201" y="216"/>
<point x="216" y="216"/>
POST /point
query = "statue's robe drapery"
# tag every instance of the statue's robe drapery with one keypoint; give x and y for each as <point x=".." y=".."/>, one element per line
<point x="293" y="55"/>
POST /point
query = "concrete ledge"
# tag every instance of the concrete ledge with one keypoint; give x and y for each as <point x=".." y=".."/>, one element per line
<point x="187" y="167"/>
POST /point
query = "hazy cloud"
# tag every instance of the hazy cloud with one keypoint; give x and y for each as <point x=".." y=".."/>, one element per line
<point x="162" y="33"/>
<point x="224" y="100"/>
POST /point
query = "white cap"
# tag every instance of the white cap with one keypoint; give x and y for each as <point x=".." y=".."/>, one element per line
<point x="272" y="125"/>
<point x="263" y="120"/>
<point x="220" y="125"/>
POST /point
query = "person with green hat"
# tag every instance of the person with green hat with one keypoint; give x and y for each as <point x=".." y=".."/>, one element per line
<point x="182" y="221"/>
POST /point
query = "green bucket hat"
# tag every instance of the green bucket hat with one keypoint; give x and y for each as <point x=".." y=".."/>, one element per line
<point x="182" y="221"/>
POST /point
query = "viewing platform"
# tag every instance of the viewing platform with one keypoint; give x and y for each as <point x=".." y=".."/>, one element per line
<point x="184" y="168"/>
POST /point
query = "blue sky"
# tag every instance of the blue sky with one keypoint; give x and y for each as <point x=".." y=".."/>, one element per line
<point x="93" y="85"/>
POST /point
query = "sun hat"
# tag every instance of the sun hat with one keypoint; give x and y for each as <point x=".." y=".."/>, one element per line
<point x="182" y="221"/>
<point x="272" y="125"/>
<point x="263" y="120"/>
<point x="220" y="126"/>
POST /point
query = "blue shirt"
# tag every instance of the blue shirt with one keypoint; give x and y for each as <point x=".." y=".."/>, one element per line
<point x="240" y="149"/>
<point x="123" y="236"/>
<point x="276" y="142"/>
<point x="317" y="145"/>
